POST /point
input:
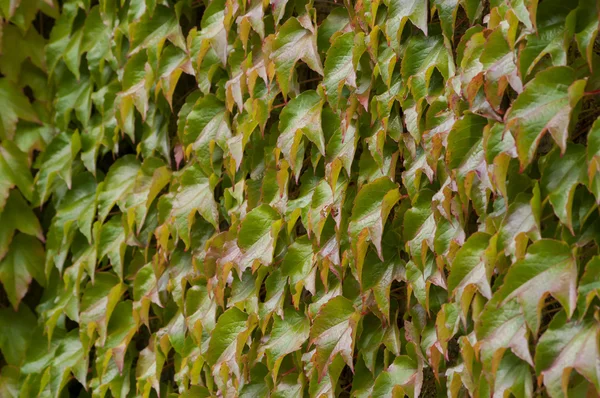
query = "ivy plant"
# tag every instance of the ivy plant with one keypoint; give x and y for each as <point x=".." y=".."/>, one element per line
<point x="299" y="198"/>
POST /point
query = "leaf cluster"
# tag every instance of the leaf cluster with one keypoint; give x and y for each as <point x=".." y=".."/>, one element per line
<point x="299" y="198"/>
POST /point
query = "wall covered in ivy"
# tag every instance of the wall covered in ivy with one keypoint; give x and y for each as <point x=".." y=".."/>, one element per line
<point x="299" y="198"/>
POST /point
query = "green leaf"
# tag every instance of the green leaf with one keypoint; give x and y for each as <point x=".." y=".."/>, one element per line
<point x="466" y="133"/>
<point x="98" y="302"/>
<point x="17" y="216"/>
<point x="24" y="260"/>
<point x="560" y="176"/>
<point x="111" y="243"/>
<point x="447" y="10"/>
<point x="554" y="23"/>
<point x="401" y="11"/>
<point x="545" y="105"/>
<point x="287" y="335"/>
<point x="423" y="55"/>
<point x="339" y="68"/>
<point x="57" y="161"/>
<point x="372" y="206"/>
<point x="194" y="194"/>
<point x="14" y="170"/>
<point x="294" y="42"/>
<point x="15" y="106"/>
<point x="513" y="375"/>
<point x="153" y="29"/>
<point x="206" y="125"/>
<point x="9" y="381"/>
<point x="77" y="209"/>
<point x="228" y="339"/>
<point x="333" y="332"/>
<point x="548" y="267"/>
<point x="301" y="116"/>
<point x="471" y="268"/>
<point x="565" y="346"/>
<point x="379" y="277"/>
<point x="498" y="329"/>
<point x="214" y="29"/>
<point x="120" y="330"/>
<point x="520" y="219"/>
<point x="400" y="378"/>
<point x="589" y="285"/>
<point x="419" y="227"/>
<point x="336" y="20"/>
<point x="69" y="358"/>
<point x="297" y="264"/>
<point x="257" y="236"/>
<point x="16" y="332"/>
<point x="153" y="176"/>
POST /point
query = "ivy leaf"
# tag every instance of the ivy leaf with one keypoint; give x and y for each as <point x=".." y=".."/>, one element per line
<point x="379" y="277"/>
<point x="548" y="267"/>
<point x="137" y="77"/>
<point x="560" y="176"/>
<point x="500" y="328"/>
<point x="77" y="209"/>
<point x="336" y="21"/>
<point x="194" y="194"/>
<point x="520" y="218"/>
<point x="228" y="339"/>
<point x="400" y="375"/>
<point x="14" y="170"/>
<point x="513" y="375"/>
<point x="98" y="302"/>
<point x="586" y="30"/>
<point x="24" y="260"/>
<point x="17" y="216"/>
<point x="447" y="10"/>
<point x="593" y="152"/>
<point x="57" y="160"/>
<point x="173" y="61"/>
<point x="372" y="206"/>
<point x="471" y="268"/>
<point x="200" y="312"/>
<point x="466" y="133"/>
<point x="555" y="24"/>
<point x="69" y="358"/>
<point x="545" y="104"/>
<point x="565" y="346"/>
<point x="111" y="244"/>
<point x="333" y="332"/>
<point x="153" y="176"/>
<point x="301" y="116"/>
<point x="287" y="335"/>
<point x="73" y="94"/>
<point x="15" y="106"/>
<point x="297" y="264"/>
<point x="118" y="185"/>
<point x="419" y="227"/>
<point x="214" y="29"/>
<point x="589" y="285"/>
<point x="153" y="29"/>
<point x="120" y="330"/>
<point x="294" y="42"/>
<point x="206" y="125"/>
<point x="423" y="55"/>
<point x="16" y="331"/>
<point x="401" y="11"/>
<point x="9" y="381"/>
<point x="339" y="68"/>
<point x="257" y="236"/>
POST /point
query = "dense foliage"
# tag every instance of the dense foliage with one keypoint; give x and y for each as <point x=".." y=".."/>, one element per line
<point x="294" y="198"/>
